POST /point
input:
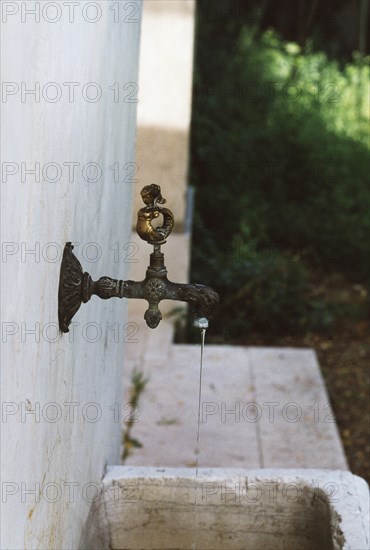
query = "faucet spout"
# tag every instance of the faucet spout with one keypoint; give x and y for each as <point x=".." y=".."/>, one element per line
<point x="155" y="288"/>
<point x="201" y="298"/>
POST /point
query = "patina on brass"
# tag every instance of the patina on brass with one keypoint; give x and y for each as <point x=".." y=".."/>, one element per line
<point x="151" y="195"/>
<point x="76" y="287"/>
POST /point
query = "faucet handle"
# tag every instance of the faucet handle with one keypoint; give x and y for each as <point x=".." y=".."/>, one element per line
<point x="152" y="197"/>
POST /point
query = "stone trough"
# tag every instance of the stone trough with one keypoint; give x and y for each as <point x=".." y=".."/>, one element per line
<point x="227" y="509"/>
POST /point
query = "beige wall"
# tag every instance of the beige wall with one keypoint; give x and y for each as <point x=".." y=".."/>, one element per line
<point x="164" y="109"/>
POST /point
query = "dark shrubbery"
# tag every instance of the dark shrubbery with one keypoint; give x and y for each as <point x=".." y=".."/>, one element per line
<point x="280" y="158"/>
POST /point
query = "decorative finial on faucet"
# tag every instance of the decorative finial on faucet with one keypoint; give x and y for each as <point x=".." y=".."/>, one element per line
<point x="151" y="195"/>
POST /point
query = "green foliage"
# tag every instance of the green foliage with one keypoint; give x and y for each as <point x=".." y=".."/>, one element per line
<point x="280" y="151"/>
<point x="138" y="385"/>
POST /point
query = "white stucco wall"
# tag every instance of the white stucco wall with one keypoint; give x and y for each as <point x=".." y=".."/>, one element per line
<point x="52" y="460"/>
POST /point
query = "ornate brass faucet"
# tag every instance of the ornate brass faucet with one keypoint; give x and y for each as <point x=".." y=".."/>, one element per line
<point x="76" y="287"/>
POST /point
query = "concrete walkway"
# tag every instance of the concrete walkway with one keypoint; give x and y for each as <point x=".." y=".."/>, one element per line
<point x="260" y="407"/>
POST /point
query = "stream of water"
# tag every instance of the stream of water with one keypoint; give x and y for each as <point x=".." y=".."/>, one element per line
<point x="202" y="337"/>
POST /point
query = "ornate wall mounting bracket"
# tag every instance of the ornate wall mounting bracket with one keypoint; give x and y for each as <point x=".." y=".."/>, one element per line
<point x="77" y="287"/>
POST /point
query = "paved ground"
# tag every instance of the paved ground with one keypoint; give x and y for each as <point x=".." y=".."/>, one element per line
<point x="261" y="407"/>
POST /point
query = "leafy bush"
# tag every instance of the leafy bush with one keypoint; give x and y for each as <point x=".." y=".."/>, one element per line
<point x="279" y="160"/>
